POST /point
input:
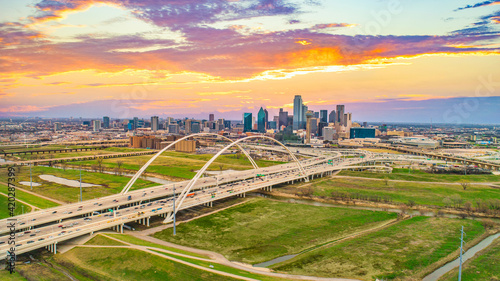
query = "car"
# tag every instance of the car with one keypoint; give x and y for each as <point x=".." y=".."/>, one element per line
<point x="33" y="220"/>
<point x="54" y="212"/>
<point x="26" y="232"/>
<point x="22" y="223"/>
<point x="2" y="242"/>
<point x="99" y="205"/>
<point x="51" y="237"/>
<point x="70" y="213"/>
<point x="78" y="229"/>
<point x="17" y="245"/>
<point x="33" y="235"/>
<point x="38" y="230"/>
<point x="41" y="239"/>
<point x="31" y="241"/>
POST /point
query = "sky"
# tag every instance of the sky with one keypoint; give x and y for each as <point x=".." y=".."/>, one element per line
<point x="386" y="60"/>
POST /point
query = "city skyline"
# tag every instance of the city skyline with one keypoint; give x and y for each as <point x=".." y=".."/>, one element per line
<point x="120" y="59"/>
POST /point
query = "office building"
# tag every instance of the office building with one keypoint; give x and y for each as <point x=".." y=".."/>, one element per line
<point x="173" y="128"/>
<point x="227" y="124"/>
<point x="323" y="115"/>
<point x="211" y="117"/>
<point x="57" y="126"/>
<point x="247" y="122"/>
<point x="362" y="133"/>
<point x="272" y="125"/>
<point x="304" y="118"/>
<point x="321" y="125"/>
<point x="340" y="115"/>
<point x="332" y="117"/>
<point x="282" y="119"/>
<point x="298" y="112"/>
<point x="154" y="123"/>
<point x="195" y="127"/>
<point x="316" y="114"/>
<point x="96" y="125"/>
<point x="261" y="121"/>
<point x="105" y="122"/>
<point x="328" y="133"/>
<point x="266" y="119"/>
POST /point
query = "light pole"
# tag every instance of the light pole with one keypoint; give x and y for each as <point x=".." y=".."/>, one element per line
<point x="174" y="210"/>
<point x="31" y="179"/>
<point x="81" y="196"/>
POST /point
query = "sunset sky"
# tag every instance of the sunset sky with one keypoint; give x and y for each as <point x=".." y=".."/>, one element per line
<point x="386" y="60"/>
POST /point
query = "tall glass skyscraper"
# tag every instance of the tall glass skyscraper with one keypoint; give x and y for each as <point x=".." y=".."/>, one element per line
<point x="261" y="121"/>
<point x="247" y="122"/>
<point x="298" y="112"/>
<point x="323" y="116"/>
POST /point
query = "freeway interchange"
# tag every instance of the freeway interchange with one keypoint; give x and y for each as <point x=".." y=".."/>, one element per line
<point x="47" y="227"/>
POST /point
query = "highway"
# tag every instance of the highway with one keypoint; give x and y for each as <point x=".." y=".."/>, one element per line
<point x="50" y="226"/>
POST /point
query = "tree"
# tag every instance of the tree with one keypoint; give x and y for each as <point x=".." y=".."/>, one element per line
<point x="468" y="206"/>
<point x="99" y="164"/>
<point x="464" y="183"/>
<point x="457" y="200"/>
<point x="64" y="166"/>
<point x="386" y="180"/>
<point x="221" y="166"/>
<point x="447" y="202"/>
<point x="119" y="164"/>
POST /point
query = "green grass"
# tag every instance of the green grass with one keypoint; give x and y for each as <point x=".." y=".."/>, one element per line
<point x="109" y="184"/>
<point x="103" y="241"/>
<point x="402" y="251"/>
<point x="225" y="268"/>
<point x="180" y="165"/>
<point x="40" y="272"/>
<point x="140" y="242"/>
<point x="485" y="266"/>
<point x="30" y="198"/>
<point x="261" y="229"/>
<point x="399" y="192"/>
<point x="5" y="213"/>
<point x="5" y="275"/>
<point x="128" y="264"/>
<point x="418" y="175"/>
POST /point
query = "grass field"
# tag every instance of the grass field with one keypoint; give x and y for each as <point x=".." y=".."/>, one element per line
<point x="5" y="275"/>
<point x="110" y="184"/>
<point x="128" y="264"/>
<point x="180" y="165"/>
<point x="30" y="198"/>
<point x="398" y="192"/>
<point x="402" y="251"/>
<point x="485" y="266"/>
<point x="261" y="229"/>
<point x="417" y="175"/>
<point x="227" y="269"/>
<point x="103" y="241"/>
<point x="5" y="213"/>
<point x="140" y="242"/>
<point x="40" y="272"/>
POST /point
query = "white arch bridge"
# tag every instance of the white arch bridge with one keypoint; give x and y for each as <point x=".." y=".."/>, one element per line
<point x="54" y="225"/>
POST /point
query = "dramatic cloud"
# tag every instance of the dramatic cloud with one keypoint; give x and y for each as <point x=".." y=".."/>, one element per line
<point x="480" y="4"/>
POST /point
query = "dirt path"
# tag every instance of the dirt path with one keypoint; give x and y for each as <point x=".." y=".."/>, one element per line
<point x="215" y="257"/>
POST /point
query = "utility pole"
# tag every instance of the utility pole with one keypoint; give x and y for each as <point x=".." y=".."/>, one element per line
<point x="31" y="179"/>
<point x="461" y="251"/>
<point x="174" y="210"/>
<point x="81" y="197"/>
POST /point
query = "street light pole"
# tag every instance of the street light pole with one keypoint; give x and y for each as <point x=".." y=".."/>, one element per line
<point x="174" y="210"/>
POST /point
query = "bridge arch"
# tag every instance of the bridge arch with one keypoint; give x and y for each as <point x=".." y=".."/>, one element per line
<point x="191" y="183"/>
<point x="143" y="168"/>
